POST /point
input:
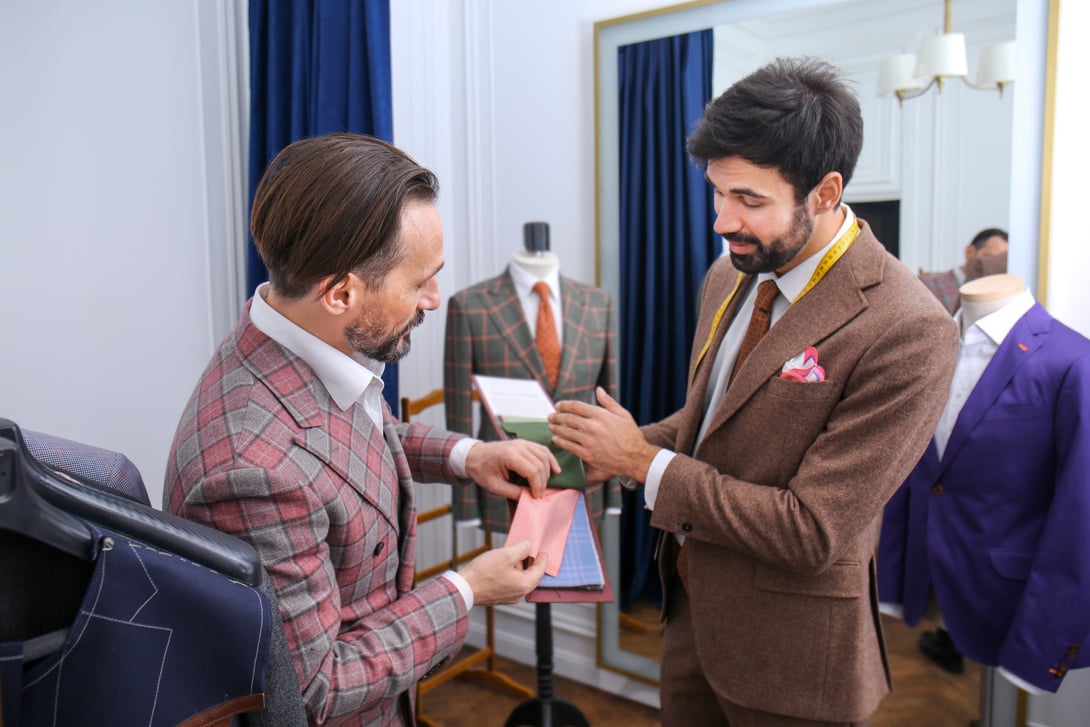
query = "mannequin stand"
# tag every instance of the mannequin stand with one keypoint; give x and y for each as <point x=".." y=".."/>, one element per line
<point x="544" y="710"/>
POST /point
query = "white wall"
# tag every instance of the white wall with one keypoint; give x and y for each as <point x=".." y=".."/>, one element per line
<point x="119" y="171"/>
<point x="105" y="268"/>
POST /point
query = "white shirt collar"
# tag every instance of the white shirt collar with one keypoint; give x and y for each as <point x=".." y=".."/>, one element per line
<point x="344" y="377"/>
<point x="998" y="324"/>
<point x="794" y="280"/>
<point x="524" y="283"/>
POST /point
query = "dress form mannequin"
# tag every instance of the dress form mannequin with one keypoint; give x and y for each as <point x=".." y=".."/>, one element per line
<point x="535" y="258"/>
<point x="984" y="524"/>
<point x="986" y="295"/>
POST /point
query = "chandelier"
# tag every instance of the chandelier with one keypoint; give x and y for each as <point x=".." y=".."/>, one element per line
<point x="910" y="75"/>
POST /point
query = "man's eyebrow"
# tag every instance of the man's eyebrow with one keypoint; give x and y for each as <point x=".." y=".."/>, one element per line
<point x="435" y="272"/>
<point x="748" y="192"/>
<point x="744" y="191"/>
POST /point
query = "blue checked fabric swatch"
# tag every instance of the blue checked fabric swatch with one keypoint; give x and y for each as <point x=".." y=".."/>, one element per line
<point x="580" y="567"/>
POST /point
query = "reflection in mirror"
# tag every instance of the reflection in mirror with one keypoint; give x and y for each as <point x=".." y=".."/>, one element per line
<point x="936" y="170"/>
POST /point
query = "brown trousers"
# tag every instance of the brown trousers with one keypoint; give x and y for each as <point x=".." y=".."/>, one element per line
<point x="687" y="698"/>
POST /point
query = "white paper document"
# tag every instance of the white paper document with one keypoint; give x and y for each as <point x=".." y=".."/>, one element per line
<point x="514" y="398"/>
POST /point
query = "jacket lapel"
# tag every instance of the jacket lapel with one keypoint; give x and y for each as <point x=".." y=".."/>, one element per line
<point x="1023" y="340"/>
<point x="574" y="311"/>
<point x="504" y="308"/>
<point x="361" y="457"/>
<point x="700" y="377"/>
<point x="817" y="315"/>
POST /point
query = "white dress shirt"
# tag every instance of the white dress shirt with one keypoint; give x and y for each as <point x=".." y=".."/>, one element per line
<point x="524" y="288"/>
<point x="978" y="345"/>
<point x="348" y="379"/>
<point x="791" y="285"/>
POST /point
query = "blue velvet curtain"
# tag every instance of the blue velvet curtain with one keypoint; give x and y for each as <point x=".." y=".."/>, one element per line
<point x="666" y="246"/>
<point x="316" y="67"/>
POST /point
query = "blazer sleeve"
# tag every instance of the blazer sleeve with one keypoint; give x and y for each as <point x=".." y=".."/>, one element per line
<point x="1050" y="628"/>
<point x="458" y="368"/>
<point x="343" y="668"/>
<point x="428" y="449"/>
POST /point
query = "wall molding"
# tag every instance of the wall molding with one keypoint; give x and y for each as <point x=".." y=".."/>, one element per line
<point x="223" y="67"/>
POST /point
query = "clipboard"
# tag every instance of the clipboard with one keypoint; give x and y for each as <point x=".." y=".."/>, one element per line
<point x="519" y="408"/>
<point x="525" y="399"/>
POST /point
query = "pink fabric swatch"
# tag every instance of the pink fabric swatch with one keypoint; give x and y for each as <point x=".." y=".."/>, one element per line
<point x="545" y="522"/>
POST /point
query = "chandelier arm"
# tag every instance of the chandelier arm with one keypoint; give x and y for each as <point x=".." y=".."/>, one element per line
<point x="970" y="84"/>
<point x="905" y="95"/>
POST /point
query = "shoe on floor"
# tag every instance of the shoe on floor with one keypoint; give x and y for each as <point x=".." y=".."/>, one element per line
<point x="939" y="648"/>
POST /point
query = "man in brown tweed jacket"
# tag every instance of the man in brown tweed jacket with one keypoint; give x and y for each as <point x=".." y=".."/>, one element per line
<point x="776" y="477"/>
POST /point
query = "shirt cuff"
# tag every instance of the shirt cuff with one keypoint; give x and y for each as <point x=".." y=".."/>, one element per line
<point x="654" y="476"/>
<point x="462" y="585"/>
<point x="888" y="608"/>
<point x="458" y="456"/>
<point x="1021" y="683"/>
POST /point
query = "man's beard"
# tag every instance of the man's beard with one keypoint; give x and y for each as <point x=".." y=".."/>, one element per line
<point x="771" y="257"/>
<point x="381" y="346"/>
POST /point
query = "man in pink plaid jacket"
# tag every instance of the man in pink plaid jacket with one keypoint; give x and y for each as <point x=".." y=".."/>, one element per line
<point x="287" y="443"/>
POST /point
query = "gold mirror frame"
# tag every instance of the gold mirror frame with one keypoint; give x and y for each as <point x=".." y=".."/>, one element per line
<point x="685" y="17"/>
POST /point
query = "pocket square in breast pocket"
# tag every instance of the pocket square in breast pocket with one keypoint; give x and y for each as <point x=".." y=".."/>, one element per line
<point x="804" y="367"/>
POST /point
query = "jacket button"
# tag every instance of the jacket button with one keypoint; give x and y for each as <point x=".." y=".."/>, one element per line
<point x="936" y="488"/>
<point x="687" y="527"/>
<point x="378" y="548"/>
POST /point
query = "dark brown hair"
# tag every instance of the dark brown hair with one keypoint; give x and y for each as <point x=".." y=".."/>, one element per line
<point x="331" y="205"/>
<point x="794" y="115"/>
<point x="986" y="234"/>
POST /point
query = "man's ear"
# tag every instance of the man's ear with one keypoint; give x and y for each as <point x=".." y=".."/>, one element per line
<point x="828" y="192"/>
<point x="338" y="297"/>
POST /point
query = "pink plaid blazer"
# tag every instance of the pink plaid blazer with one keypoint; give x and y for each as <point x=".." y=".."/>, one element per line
<point x="944" y="286"/>
<point x="326" y="498"/>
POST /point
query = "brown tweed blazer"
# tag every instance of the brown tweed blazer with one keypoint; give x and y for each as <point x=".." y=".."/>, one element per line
<point x="782" y="498"/>
<point x="487" y="333"/>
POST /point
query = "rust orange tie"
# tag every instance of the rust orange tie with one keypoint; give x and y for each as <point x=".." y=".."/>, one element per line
<point x="758" y="322"/>
<point x="545" y="338"/>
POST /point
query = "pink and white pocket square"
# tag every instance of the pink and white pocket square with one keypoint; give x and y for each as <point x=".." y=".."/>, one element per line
<point x="804" y="367"/>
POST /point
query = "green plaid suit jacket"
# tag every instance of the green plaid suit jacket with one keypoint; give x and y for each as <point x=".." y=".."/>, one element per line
<point x="487" y="333"/>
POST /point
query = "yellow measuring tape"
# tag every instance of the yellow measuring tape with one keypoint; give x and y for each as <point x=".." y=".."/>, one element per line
<point x="827" y="261"/>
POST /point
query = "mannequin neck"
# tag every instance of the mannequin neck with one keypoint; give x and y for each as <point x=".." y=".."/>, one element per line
<point x="984" y="296"/>
<point x="538" y="264"/>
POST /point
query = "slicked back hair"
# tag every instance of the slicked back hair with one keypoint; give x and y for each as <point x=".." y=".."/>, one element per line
<point x="795" y="115"/>
<point x="331" y="205"/>
<point x="986" y="234"/>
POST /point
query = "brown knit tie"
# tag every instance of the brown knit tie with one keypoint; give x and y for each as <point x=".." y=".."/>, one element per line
<point x="758" y="326"/>
<point x="758" y="322"/>
<point x="548" y="345"/>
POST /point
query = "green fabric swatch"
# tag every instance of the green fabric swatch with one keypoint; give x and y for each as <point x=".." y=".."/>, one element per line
<point x="537" y="430"/>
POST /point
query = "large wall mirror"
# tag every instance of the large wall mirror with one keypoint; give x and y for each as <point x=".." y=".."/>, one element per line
<point x="940" y="167"/>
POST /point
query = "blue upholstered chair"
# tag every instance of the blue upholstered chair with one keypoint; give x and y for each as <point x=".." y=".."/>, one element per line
<point x="115" y="473"/>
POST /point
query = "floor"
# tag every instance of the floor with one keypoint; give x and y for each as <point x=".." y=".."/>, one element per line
<point x="923" y="695"/>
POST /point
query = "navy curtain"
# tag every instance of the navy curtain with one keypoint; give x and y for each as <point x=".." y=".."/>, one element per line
<point x="666" y="246"/>
<point x="316" y="67"/>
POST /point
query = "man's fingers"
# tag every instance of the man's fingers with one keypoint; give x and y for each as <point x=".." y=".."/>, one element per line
<point x="537" y="568"/>
<point x="609" y="403"/>
<point x="579" y="408"/>
<point x="520" y="551"/>
<point x="570" y="445"/>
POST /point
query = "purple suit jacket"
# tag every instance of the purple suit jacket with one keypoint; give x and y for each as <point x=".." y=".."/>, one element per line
<point x="326" y="499"/>
<point x="997" y="527"/>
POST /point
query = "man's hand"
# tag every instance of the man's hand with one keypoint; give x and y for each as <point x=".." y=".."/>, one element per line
<point x="499" y="576"/>
<point x="490" y="465"/>
<point x="605" y="437"/>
